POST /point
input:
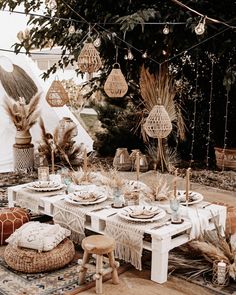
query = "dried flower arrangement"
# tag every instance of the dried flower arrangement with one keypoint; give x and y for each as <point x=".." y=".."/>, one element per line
<point x="160" y="188"/>
<point x="197" y="256"/>
<point x="23" y="115"/>
<point x="65" y="149"/>
<point x="112" y="179"/>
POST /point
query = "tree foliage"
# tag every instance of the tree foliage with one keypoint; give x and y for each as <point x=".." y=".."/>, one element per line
<point x="123" y="25"/>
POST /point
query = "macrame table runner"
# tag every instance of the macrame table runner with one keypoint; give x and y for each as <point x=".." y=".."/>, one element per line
<point x="73" y="217"/>
<point x="29" y="199"/>
<point x="129" y="237"/>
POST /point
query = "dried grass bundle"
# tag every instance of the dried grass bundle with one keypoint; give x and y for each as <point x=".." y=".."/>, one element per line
<point x="66" y="150"/>
<point x="112" y="179"/>
<point x="159" y="188"/>
<point x="18" y="83"/>
<point x="23" y="115"/>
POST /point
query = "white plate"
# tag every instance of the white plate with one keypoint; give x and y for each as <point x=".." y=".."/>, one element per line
<point x="100" y="199"/>
<point x="45" y="186"/>
<point x="125" y="213"/>
<point x="197" y="197"/>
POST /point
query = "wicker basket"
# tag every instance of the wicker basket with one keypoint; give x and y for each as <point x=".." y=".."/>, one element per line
<point x="56" y="95"/>
<point x="89" y="59"/>
<point x="158" y="124"/>
<point x="115" y="85"/>
<point x="31" y="261"/>
<point x="122" y="161"/>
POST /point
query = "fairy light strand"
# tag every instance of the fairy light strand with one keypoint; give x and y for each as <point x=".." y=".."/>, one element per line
<point x="210" y="114"/>
<point x="226" y="128"/>
<point x="194" y="114"/>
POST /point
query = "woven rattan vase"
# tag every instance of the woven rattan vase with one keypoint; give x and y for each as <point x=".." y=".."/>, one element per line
<point x="116" y="85"/>
<point x="56" y="95"/>
<point x="122" y="161"/>
<point x="89" y="59"/>
<point x="158" y="123"/>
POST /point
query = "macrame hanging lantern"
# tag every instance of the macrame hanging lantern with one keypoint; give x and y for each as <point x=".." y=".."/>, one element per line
<point x="158" y="123"/>
<point x="116" y="85"/>
<point x="89" y="60"/>
<point x="56" y="95"/>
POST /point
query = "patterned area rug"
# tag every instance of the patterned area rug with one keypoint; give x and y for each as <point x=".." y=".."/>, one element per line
<point x="63" y="281"/>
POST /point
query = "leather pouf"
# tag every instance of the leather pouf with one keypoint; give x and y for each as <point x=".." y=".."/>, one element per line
<point x="10" y="220"/>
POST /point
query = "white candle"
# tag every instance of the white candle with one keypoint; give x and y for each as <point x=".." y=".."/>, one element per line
<point x="122" y="158"/>
<point x="141" y="161"/>
<point x="221" y="272"/>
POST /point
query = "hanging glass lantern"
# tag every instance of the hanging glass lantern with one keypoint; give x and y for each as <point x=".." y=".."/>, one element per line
<point x="116" y="85"/>
<point x="89" y="58"/>
<point x="158" y="123"/>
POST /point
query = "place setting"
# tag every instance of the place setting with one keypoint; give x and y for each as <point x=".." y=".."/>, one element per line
<point x="141" y="213"/>
<point x="45" y="186"/>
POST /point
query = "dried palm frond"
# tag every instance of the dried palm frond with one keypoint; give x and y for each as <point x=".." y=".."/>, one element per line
<point x="18" y="83"/>
<point x="22" y="115"/>
<point x="159" y="187"/>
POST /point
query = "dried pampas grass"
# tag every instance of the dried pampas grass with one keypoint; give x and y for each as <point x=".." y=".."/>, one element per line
<point x="23" y="115"/>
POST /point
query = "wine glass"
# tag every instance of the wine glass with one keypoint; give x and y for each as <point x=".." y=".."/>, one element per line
<point x="174" y="206"/>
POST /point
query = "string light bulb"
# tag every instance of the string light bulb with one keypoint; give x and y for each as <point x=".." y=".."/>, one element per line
<point x="126" y="57"/>
<point x="200" y="28"/>
<point x="71" y="29"/>
<point x="130" y="55"/>
<point x="144" y="55"/>
<point x="97" y="42"/>
<point x="166" y="30"/>
<point x="52" y="4"/>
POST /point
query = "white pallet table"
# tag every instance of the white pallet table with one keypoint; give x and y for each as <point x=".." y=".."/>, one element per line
<point x="45" y="205"/>
<point x="162" y="241"/>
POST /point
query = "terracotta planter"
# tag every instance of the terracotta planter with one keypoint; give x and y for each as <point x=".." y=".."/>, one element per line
<point x="228" y="158"/>
<point x="23" y="137"/>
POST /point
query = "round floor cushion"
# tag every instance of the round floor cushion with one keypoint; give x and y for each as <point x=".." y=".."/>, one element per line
<point x="31" y="261"/>
<point x="10" y="220"/>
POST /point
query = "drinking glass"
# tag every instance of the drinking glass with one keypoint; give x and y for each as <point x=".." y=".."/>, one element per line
<point x="174" y="206"/>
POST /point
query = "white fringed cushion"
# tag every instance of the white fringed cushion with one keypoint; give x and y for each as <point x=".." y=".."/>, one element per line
<point x="38" y="236"/>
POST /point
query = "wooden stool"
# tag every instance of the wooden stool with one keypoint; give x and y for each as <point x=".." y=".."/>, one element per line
<point x="99" y="245"/>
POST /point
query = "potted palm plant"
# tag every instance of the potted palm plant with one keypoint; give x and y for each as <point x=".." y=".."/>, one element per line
<point x="23" y="116"/>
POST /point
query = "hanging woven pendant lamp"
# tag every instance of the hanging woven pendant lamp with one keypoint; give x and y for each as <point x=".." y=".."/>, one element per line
<point x="158" y="123"/>
<point x="56" y="95"/>
<point x="116" y="85"/>
<point x="89" y="58"/>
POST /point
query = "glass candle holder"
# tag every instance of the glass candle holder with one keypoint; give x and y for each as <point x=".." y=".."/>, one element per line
<point x="174" y="206"/>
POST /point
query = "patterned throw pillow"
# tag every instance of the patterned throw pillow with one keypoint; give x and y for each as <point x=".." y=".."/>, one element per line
<point x="38" y="236"/>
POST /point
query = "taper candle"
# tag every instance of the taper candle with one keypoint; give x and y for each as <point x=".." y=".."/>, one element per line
<point x="85" y="161"/>
<point x="175" y="182"/>
<point x="187" y="183"/>
<point x="137" y="165"/>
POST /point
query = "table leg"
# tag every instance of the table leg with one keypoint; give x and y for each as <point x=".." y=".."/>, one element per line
<point x="160" y="253"/>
